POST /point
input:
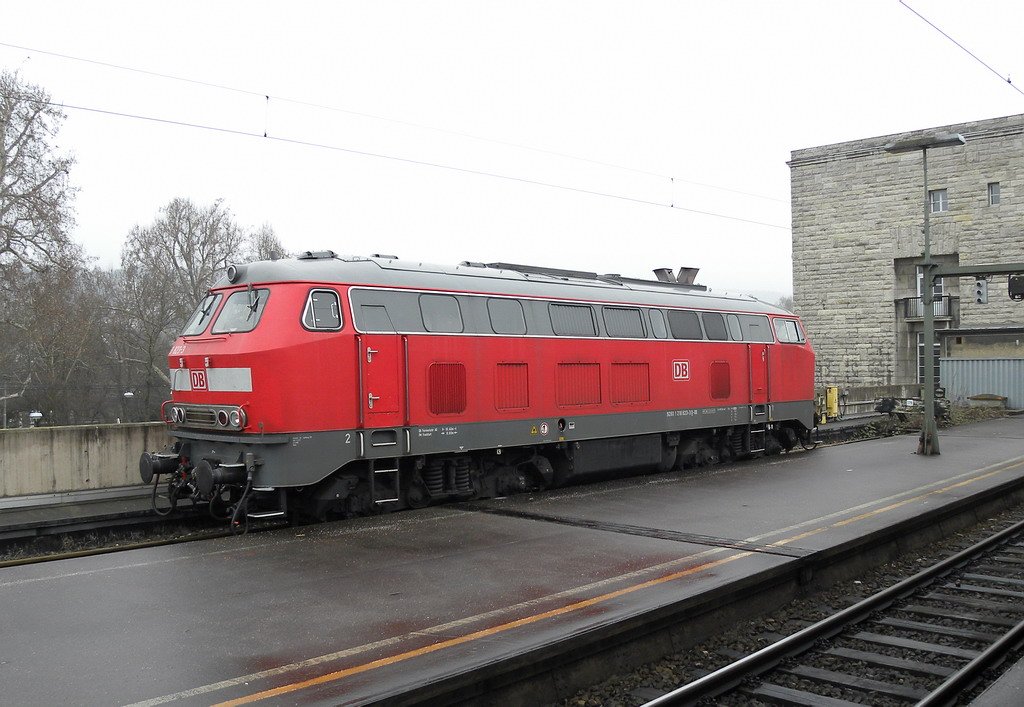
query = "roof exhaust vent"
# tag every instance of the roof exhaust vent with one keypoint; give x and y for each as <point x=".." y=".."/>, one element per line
<point x="686" y="276"/>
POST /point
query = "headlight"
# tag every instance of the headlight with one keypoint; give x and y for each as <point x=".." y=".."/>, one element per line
<point x="178" y="414"/>
<point x="222" y="418"/>
<point x="237" y="419"/>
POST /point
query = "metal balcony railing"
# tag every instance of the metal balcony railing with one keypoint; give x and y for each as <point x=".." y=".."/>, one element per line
<point x="942" y="307"/>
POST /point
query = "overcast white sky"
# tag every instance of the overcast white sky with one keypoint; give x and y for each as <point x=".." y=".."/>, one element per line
<point x="716" y="93"/>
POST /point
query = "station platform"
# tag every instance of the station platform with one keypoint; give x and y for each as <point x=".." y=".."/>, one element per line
<point x="365" y="610"/>
<point x="30" y="516"/>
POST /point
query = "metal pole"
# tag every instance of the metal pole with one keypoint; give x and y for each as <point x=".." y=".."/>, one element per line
<point x="929" y="442"/>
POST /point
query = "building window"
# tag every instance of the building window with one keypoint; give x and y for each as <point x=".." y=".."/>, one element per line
<point x="921" y="359"/>
<point x="937" y="288"/>
<point x="939" y="200"/>
<point x="993" y="193"/>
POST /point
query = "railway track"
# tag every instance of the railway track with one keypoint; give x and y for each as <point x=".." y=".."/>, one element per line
<point x="925" y="640"/>
<point x="140" y="521"/>
<point x="45" y="535"/>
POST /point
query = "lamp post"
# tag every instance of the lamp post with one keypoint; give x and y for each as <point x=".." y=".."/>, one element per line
<point x="929" y="441"/>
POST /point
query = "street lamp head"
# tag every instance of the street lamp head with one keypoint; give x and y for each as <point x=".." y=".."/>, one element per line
<point x="925" y="141"/>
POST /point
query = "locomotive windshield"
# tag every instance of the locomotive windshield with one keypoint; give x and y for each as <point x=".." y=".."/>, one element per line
<point x="201" y="317"/>
<point x="241" y="312"/>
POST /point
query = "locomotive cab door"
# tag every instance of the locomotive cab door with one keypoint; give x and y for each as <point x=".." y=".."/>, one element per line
<point x="382" y="380"/>
<point x="757" y="355"/>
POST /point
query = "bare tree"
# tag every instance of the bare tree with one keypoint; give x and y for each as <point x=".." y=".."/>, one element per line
<point x="166" y="269"/>
<point x="35" y="193"/>
<point x="265" y="245"/>
<point x="15" y="360"/>
<point x="786" y="303"/>
<point x="184" y="249"/>
<point x="53" y="342"/>
<point x="144" y="321"/>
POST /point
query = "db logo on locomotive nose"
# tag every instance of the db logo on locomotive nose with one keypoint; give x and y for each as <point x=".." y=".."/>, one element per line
<point x="198" y="380"/>
<point x="680" y="370"/>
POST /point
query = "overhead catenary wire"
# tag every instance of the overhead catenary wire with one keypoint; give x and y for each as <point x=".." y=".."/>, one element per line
<point x="394" y="158"/>
<point x="968" y="51"/>
<point x="321" y="106"/>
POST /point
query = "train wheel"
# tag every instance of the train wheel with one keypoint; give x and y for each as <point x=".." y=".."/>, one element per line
<point x="706" y="454"/>
<point x="669" y="457"/>
<point x="808" y="441"/>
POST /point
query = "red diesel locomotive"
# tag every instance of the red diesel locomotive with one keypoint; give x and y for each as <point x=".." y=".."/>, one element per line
<point x="328" y="386"/>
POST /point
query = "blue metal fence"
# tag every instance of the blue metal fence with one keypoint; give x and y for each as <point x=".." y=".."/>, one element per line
<point x="964" y="377"/>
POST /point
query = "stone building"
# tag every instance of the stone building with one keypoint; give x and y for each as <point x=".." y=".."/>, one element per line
<point x="858" y="236"/>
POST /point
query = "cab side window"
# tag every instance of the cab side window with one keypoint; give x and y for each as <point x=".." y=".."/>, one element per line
<point x="322" y="311"/>
<point x="789" y="331"/>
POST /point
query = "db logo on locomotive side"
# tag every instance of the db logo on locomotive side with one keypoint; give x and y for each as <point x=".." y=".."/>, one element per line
<point x="680" y="370"/>
<point x="198" y="380"/>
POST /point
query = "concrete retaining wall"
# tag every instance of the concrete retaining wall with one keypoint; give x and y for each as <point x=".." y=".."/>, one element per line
<point x="54" y="459"/>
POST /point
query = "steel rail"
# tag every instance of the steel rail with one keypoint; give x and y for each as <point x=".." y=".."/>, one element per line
<point x="761" y="661"/>
<point x="966" y="677"/>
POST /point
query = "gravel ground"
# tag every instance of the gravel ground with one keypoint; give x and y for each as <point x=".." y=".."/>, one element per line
<point x="649" y="681"/>
<point x="112" y="539"/>
<point x="959" y="415"/>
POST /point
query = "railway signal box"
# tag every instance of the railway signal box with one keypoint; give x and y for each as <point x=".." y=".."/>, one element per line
<point x="981" y="291"/>
<point x="1016" y="287"/>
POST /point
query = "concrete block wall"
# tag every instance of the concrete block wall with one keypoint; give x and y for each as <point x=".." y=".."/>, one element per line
<point x="857" y="209"/>
<point x="54" y="459"/>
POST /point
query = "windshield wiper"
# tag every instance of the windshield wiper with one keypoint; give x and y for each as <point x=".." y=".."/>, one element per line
<point x="254" y="302"/>
<point x="208" y="304"/>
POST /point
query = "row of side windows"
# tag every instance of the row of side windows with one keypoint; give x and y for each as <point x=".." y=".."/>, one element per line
<point x="388" y="311"/>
